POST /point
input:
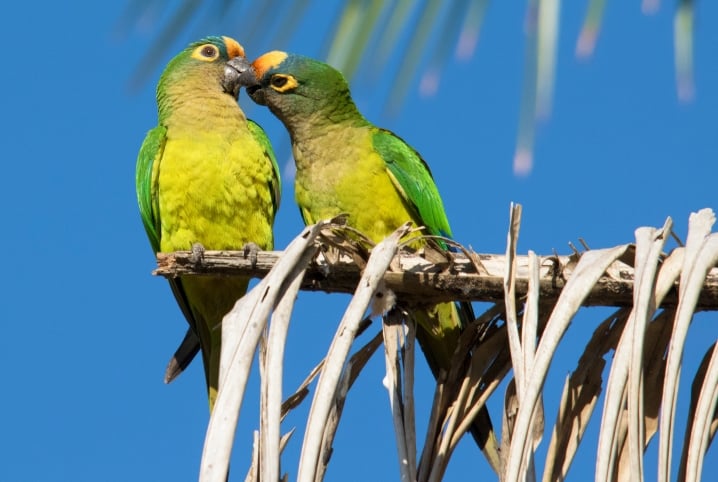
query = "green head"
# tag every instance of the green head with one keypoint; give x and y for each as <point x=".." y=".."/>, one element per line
<point x="300" y="90"/>
<point x="201" y="68"/>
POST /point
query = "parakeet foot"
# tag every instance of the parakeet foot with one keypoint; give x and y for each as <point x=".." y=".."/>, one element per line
<point x="197" y="256"/>
<point x="250" y="251"/>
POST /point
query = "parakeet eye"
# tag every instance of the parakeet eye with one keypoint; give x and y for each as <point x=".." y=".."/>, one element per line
<point x="283" y="83"/>
<point x="207" y="53"/>
<point x="279" y="81"/>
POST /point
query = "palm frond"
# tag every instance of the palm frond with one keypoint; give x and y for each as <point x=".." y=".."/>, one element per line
<point x="683" y="41"/>
<point x="586" y="43"/>
<point x="519" y="335"/>
<point x="419" y="35"/>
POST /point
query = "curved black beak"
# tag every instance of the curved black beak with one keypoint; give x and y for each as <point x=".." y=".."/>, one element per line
<point x="238" y="73"/>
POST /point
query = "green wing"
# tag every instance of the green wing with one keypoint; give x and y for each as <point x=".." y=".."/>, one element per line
<point x="275" y="184"/>
<point x="146" y="183"/>
<point x="412" y="178"/>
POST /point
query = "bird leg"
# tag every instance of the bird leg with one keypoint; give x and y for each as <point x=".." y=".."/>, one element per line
<point x="197" y="256"/>
<point x="250" y="251"/>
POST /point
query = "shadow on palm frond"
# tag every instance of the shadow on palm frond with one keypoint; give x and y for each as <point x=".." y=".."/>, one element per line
<point x="656" y="293"/>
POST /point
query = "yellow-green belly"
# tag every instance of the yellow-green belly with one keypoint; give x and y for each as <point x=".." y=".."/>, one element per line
<point x="360" y="188"/>
<point x="221" y="199"/>
<point x="354" y="180"/>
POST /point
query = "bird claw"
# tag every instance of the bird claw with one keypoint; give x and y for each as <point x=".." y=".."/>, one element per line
<point x="197" y="254"/>
<point x="250" y="251"/>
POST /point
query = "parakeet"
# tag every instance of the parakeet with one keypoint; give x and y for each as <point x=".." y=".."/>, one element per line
<point x="345" y="164"/>
<point x="206" y="175"/>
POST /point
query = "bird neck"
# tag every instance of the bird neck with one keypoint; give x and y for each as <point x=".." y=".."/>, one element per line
<point x="327" y="119"/>
<point x="194" y="106"/>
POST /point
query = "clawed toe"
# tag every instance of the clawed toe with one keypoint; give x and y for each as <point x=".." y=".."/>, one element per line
<point x="250" y="251"/>
<point x="197" y="256"/>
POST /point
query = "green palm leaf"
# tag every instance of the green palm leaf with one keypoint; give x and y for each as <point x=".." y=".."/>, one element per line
<point x="419" y="37"/>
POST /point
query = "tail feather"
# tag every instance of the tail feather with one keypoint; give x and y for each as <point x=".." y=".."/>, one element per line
<point x="183" y="356"/>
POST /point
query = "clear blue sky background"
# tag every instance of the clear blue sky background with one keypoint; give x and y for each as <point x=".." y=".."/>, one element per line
<point x="87" y="331"/>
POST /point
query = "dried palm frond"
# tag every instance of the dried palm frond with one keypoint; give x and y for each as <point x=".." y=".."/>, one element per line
<point x="519" y="335"/>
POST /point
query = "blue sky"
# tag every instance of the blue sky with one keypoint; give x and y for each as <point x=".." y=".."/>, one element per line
<point x="88" y="330"/>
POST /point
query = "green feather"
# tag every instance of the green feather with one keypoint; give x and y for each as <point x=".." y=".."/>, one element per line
<point x="275" y="183"/>
<point x="413" y="179"/>
<point x="145" y="184"/>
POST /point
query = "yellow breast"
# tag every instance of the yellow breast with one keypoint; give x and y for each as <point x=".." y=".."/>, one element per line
<point x="346" y="175"/>
<point x="214" y="190"/>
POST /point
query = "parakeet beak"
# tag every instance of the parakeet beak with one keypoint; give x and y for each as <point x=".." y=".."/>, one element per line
<point x="238" y="72"/>
<point x="257" y="94"/>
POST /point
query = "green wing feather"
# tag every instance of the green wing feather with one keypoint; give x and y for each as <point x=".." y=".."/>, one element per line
<point x="412" y="178"/>
<point x="276" y="182"/>
<point x="146" y="184"/>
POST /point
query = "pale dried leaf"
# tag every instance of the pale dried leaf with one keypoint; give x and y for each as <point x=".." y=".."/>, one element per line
<point x="253" y="471"/>
<point x="330" y="428"/>
<point x="510" y="298"/>
<point x="285" y="440"/>
<point x="354" y="366"/>
<point x="611" y="436"/>
<point x="511" y="405"/>
<point x="649" y="246"/>
<point x="254" y="306"/>
<point x="379" y="261"/>
<point x="704" y="415"/>
<point x="589" y="269"/>
<point x="529" y="329"/>
<point x="580" y="395"/>
<point x="657" y="337"/>
<point x="700" y="255"/>
<point x="394" y="339"/>
<point x="522" y="354"/>
<point x="529" y="324"/>
<point x="696" y="389"/>
<point x="508" y="418"/>
<point x="409" y="362"/>
<point x="271" y="386"/>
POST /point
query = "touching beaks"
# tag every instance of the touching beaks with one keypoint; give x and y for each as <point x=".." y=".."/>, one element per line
<point x="238" y="72"/>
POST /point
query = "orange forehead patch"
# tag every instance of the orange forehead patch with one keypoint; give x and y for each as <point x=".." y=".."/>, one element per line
<point x="233" y="48"/>
<point x="268" y="61"/>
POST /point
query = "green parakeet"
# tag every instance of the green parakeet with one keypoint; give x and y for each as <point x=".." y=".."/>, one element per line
<point x="206" y="174"/>
<point x="345" y="164"/>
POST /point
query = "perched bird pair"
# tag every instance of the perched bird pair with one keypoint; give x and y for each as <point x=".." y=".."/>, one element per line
<point x="207" y="175"/>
